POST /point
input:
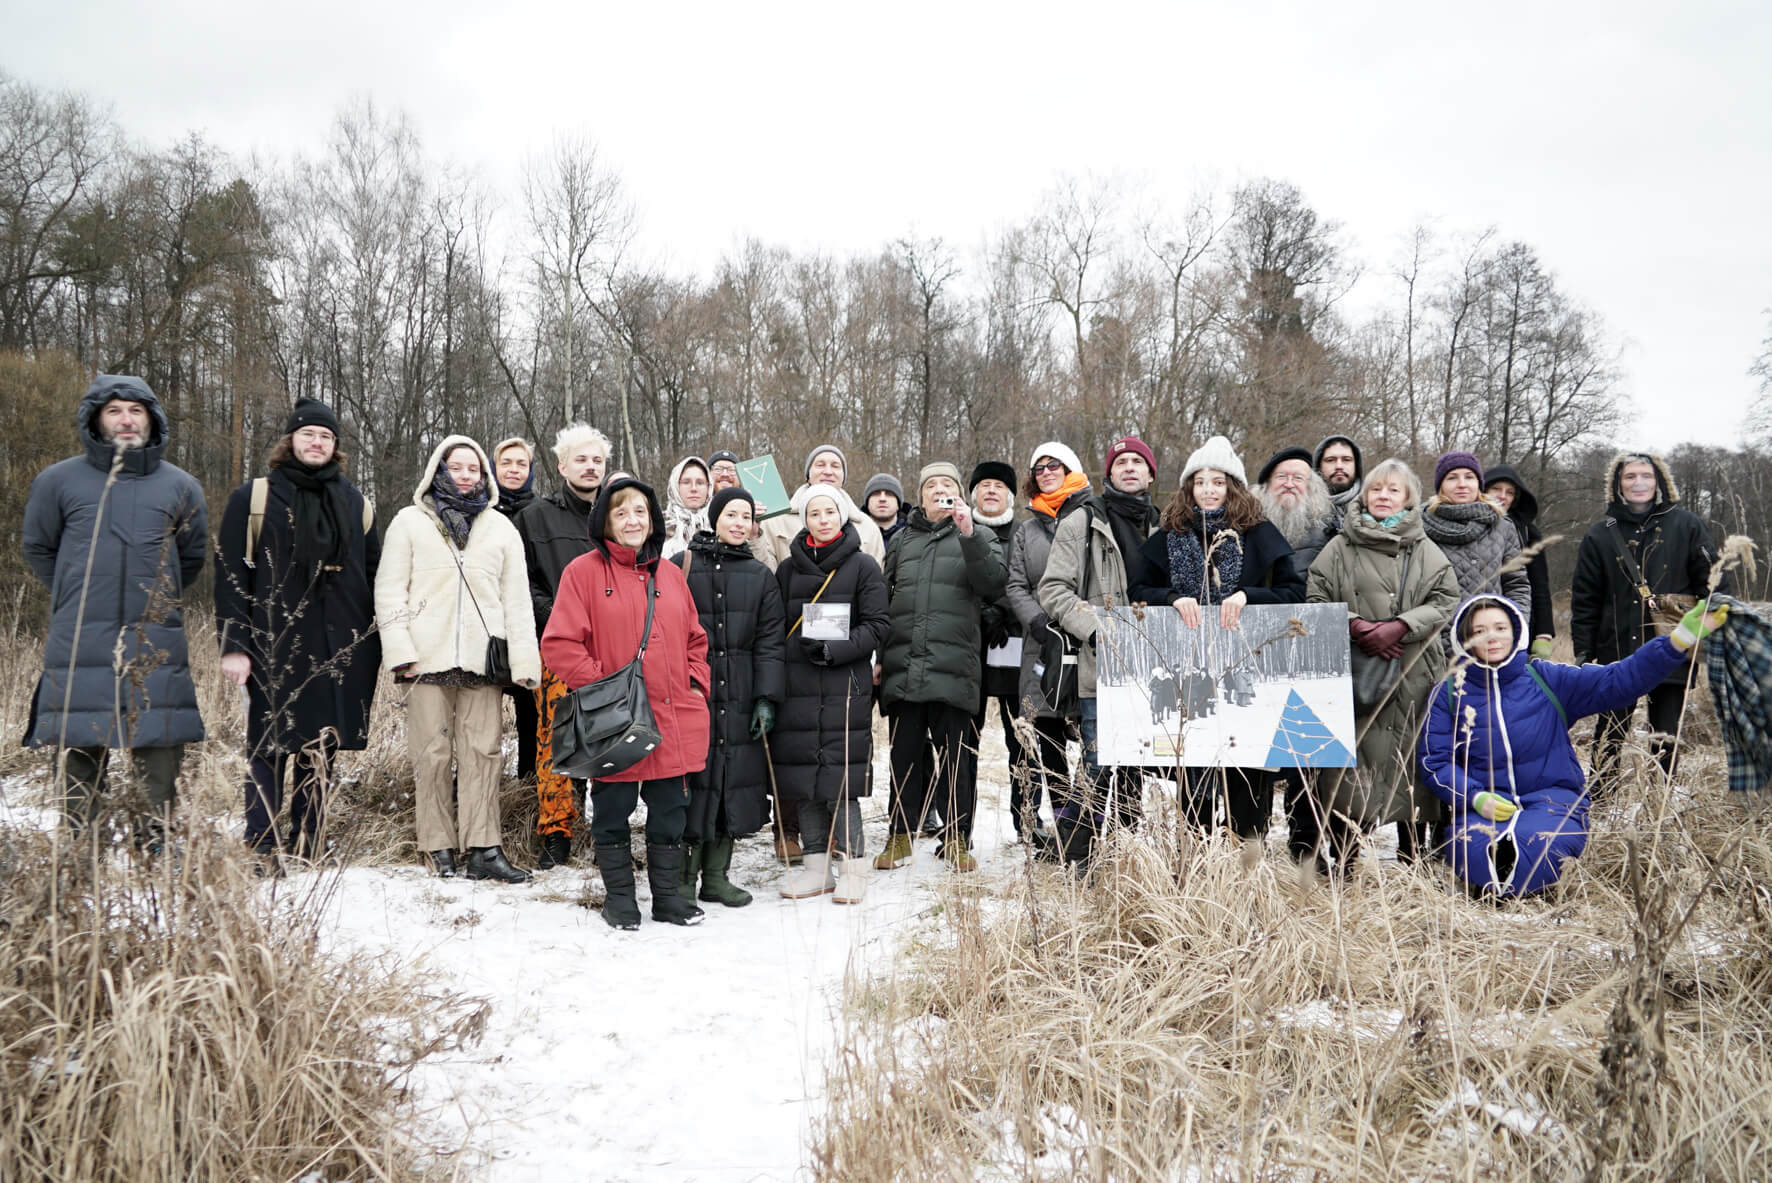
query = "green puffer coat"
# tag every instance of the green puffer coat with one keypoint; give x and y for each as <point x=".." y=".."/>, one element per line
<point x="1359" y="567"/>
<point x="937" y="580"/>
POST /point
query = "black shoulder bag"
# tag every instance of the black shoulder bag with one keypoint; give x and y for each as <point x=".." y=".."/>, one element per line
<point x="498" y="649"/>
<point x="608" y="726"/>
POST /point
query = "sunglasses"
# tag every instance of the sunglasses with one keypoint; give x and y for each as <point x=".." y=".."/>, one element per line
<point x="1049" y="466"/>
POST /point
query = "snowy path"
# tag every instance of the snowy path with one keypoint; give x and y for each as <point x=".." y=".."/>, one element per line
<point x="669" y="1053"/>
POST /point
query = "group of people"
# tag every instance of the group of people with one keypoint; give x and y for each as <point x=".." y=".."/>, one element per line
<point x="767" y="643"/>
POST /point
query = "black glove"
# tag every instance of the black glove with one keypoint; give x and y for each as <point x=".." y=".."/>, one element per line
<point x="993" y="623"/>
<point x="817" y="652"/>
<point x="1039" y="630"/>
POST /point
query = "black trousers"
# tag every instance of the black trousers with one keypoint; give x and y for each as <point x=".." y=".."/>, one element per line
<point x="1244" y="795"/>
<point x="528" y="719"/>
<point x="1612" y="728"/>
<point x="85" y="781"/>
<point x="613" y="802"/>
<point x="931" y="762"/>
<point x="1304" y="822"/>
<point x="307" y="803"/>
<point x="1034" y="776"/>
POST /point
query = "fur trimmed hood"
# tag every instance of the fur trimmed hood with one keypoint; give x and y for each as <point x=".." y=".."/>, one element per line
<point x="1666" y="491"/>
<point x="429" y="473"/>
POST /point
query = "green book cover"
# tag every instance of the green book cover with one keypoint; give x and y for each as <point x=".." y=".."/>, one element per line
<point x="762" y="480"/>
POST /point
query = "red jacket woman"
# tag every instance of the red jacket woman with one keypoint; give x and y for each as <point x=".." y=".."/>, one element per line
<point x="593" y="631"/>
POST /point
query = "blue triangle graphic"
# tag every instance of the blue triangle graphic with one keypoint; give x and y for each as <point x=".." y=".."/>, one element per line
<point x="1303" y="741"/>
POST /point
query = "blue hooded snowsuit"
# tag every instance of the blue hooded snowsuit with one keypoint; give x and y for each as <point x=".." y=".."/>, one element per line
<point x="1500" y="729"/>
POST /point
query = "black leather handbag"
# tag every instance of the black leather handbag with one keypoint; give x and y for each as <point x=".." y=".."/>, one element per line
<point x="607" y="726"/>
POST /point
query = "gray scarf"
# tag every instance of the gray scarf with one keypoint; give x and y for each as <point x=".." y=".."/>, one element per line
<point x="1459" y="525"/>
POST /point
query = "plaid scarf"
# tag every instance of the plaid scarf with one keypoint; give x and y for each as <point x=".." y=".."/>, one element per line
<point x="1738" y="658"/>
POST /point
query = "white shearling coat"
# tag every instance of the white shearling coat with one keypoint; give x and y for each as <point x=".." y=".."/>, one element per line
<point x="423" y="608"/>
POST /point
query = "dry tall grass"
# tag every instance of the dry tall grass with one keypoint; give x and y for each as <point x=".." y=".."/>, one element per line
<point x="1179" y="1017"/>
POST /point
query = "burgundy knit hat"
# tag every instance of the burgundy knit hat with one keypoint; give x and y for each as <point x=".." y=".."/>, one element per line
<point x="1451" y="460"/>
<point x="1132" y="444"/>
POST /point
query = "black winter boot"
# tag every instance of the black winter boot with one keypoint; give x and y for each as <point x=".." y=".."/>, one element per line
<point x="556" y="851"/>
<point x="691" y="868"/>
<point x="1076" y="840"/>
<point x="664" y="871"/>
<point x="444" y="862"/>
<point x="615" y="860"/>
<point x="488" y="862"/>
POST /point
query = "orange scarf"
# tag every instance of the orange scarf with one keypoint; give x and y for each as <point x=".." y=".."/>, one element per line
<point x="1050" y="503"/>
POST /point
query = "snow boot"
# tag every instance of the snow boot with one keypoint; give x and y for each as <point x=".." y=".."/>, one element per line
<point x="664" y="871"/>
<point x="897" y="853"/>
<point x="787" y="849"/>
<point x="692" y="858"/>
<point x="814" y="878"/>
<point x="615" y="860"/>
<point x="717" y="886"/>
<point x="1075" y="839"/>
<point x="488" y="862"/>
<point x="852" y="881"/>
<point x="556" y="851"/>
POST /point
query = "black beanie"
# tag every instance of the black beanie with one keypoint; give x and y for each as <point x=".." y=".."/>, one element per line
<point x="991" y="470"/>
<point x="310" y="413"/>
<point x="1278" y="458"/>
<point x="726" y="497"/>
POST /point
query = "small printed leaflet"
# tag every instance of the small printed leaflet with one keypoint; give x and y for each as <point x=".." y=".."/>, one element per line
<point x="1007" y="655"/>
<point x="825" y="622"/>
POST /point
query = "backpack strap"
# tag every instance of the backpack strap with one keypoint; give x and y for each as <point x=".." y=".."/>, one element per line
<point x="368" y="515"/>
<point x="255" y="517"/>
<point x="1532" y="668"/>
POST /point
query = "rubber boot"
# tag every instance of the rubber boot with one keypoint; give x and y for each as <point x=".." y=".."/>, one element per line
<point x="664" y="871"/>
<point x="717" y="886"/>
<point x="692" y="859"/>
<point x="1075" y="841"/>
<point x="615" y="861"/>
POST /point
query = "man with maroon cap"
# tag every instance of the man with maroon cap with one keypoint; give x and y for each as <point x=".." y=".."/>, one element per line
<point x="1098" y="547"/>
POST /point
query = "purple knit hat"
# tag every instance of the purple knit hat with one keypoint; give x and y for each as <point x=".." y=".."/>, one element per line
<point x="1451" y="460"/>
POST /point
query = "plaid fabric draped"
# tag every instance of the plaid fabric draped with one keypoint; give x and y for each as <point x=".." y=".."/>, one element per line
<point x="1738" y="660"/>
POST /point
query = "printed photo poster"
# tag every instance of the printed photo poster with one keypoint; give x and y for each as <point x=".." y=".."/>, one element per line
<point x="1272" y="693"/>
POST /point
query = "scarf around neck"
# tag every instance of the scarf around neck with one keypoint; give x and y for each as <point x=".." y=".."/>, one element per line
<point x="1050" y="503"/>
<point x="1131" y="517"/>
<point x="1187" y="558"/>
<point x="319" y="511"/>
<point x="1459" y="525"/>
<point x="458" y="510"/>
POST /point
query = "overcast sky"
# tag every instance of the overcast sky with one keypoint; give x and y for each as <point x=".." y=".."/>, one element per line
<point x="1629" y="143"/>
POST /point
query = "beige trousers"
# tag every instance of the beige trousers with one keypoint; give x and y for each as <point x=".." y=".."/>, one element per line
<point x="463" y="725"/>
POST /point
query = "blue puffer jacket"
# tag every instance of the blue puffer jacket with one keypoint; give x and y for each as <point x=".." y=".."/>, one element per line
<point x="116" y="556"/>
<point x="1501" y="729"/>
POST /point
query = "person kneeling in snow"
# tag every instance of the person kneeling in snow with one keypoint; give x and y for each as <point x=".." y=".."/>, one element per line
<point x="1495" y="747"/>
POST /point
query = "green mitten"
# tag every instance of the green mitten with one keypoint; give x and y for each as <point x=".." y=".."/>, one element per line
<point x="1698" y="624"/>
<point x="1494" y="806"/>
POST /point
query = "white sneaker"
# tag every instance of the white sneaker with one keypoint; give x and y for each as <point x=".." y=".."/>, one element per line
<point x="814" y="878"/>
<point x="852" y="882"/>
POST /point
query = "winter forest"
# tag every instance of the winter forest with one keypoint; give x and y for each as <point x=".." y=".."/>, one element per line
<point x="418" y="300"/>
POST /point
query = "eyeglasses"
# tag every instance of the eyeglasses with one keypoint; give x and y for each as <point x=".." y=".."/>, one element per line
<point x="1049" y="466"/>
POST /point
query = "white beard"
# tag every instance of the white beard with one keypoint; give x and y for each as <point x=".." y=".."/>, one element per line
<point x="1298" y="519"/>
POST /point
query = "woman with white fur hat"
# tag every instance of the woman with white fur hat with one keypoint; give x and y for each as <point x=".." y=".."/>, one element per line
<point x="1217" y="548"/>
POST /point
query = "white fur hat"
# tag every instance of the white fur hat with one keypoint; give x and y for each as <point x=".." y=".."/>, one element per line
<point x="1059" y="453"/>
<point x="804" y="495"/>
<point x="1215" y="453"/>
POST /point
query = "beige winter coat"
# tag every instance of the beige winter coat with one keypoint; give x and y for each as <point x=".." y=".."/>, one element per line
<point x="1060" y="585"/>
<point x="1359" y="568"/>
<point x="776" y="537"/>
<point x="424" y="609"/>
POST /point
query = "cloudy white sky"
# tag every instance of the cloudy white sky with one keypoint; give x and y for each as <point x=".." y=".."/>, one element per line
<point x="1630" y="143"/>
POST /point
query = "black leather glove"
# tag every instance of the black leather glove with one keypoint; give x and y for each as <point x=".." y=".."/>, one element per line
<point x="817" y="652"/>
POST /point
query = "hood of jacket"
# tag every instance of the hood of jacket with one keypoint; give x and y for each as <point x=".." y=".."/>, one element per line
<point x="1359" y="459"/>
<point x="106" y="387"/>
<point x="1666" y="492"/>
<point x="1361" y="531"/>
<point x="429" y="474"/>
<point x="1522" y="634"/>
<point x="599" y="521"/>
<point x="1525" y="506"/>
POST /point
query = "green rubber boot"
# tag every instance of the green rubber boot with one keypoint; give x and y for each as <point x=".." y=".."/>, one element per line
<point x="692" y="856"/>
<point x="716" y="887"/>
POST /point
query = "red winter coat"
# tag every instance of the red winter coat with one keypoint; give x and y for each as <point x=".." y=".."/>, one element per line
<point x="594" y="630"/>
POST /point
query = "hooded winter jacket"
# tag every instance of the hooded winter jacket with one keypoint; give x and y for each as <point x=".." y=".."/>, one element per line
<point x="739" y="603"/>
<point x="938" y="579"/>
<point x="1347" y="502"/>
<point x="1505" y="729"/>
<point x="1084" y="539"/>
<point x="437" y="606"/>
<point x="1359" y="568"/>
<point x="116" y="668"/>
<point x="595" y="628"/>
<point x="1030" y="551"/>
<point x="1523" y="513"/>
<point x="1608" y="619"/>
<point x="823" y="739"/>
<point x="315" y="654"/>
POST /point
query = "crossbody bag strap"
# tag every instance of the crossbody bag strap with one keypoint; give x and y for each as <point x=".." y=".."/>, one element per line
<point x="463" y="572"/>
<point x="1632" y="568"/>
<point x="813" y="600"/>
<point x="646" y="629"/>
<point x="1088" y="551"/>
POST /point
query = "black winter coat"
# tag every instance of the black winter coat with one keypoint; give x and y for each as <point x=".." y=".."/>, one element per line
<point x="1608" y="620"/>
<point x="556" y="528"/>
<point x="314" y="655"/>
<point x="740" y="605"/>
<point x="938" y="580"/>
<point x="145" y="537"/>
<point x="1523" y="513"/>
<point x="1269" y="576"/>
<point x="823" y="738"/>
